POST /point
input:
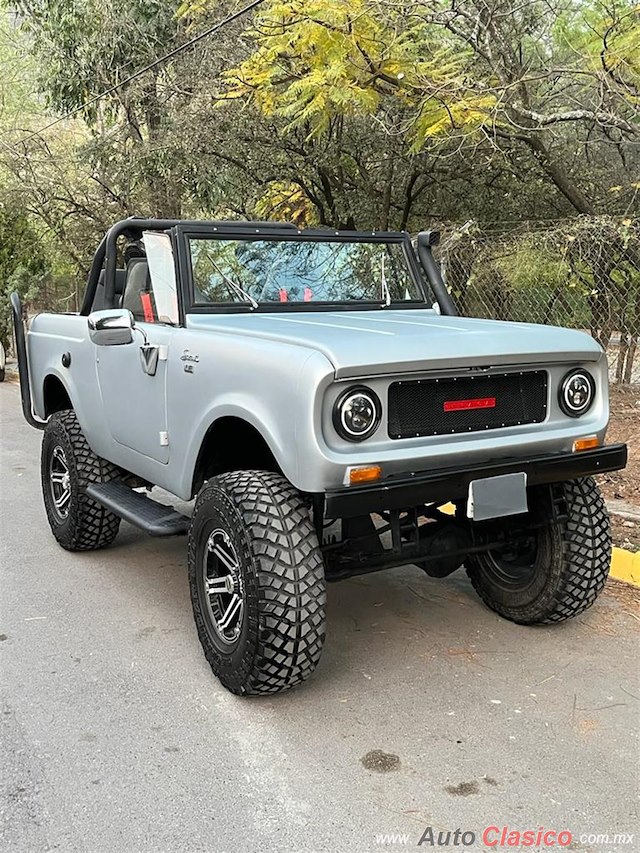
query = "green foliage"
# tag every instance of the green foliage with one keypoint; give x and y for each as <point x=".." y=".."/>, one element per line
<point x="452" y="76"/>
<point x="584" y="274"/>
<point x="286" y="202"/>
<point x="85" y="46"/>
<point x="606" y="40"/>
<point x="22" y="265"/>
<point x="317" y="60"/>
<point x="364" y="114"/>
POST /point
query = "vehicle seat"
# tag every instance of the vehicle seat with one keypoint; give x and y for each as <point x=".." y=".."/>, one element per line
<point x="98" y="299"/>
<point x="138" y="295"/>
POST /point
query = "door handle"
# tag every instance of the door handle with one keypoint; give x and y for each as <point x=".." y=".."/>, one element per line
<point x="149" y="358"/>
<point x="150" y="355"/>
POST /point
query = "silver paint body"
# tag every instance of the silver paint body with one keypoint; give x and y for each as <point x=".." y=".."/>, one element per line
<point x="282" y="373"/>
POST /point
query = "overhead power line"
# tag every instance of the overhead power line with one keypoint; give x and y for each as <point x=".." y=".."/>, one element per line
<point x="180" y="49"/>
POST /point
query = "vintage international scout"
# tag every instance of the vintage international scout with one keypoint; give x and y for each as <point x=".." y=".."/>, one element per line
<point x="318" y="396"/>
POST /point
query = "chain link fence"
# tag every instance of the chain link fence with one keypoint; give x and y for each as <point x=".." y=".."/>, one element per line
<point x="582" y="273"/>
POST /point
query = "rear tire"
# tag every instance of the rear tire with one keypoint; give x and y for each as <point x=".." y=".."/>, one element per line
<point x="68" y="465"/>
<point x="561" y="571"/>
<point x="256" y="579"/>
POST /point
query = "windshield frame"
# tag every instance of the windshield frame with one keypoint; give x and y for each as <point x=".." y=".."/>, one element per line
<point x="286" y="234"/>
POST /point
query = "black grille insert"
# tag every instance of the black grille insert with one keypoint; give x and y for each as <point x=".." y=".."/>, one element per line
<point x="466" y="404"/>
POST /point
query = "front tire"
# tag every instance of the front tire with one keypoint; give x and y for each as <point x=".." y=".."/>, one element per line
<point x="256" y="579"/>
<point x="68" y="466"/>
<point x="558" y="572"/>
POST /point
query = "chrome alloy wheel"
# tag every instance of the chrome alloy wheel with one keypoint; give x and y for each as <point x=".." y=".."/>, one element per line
<point x="223" y="586"/>
<point x="59" y="482"/>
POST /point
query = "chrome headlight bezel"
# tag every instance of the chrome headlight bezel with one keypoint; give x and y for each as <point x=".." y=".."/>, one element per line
<point x="341" y="413"/>
<point x="586" y="385"/>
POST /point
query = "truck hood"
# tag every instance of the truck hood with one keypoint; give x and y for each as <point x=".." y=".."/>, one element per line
<point x="364" y="343"/>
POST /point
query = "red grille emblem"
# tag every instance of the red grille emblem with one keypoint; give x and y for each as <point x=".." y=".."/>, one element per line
<point x="466" y="405"/>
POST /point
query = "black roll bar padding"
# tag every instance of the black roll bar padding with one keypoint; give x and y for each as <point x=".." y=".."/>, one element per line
<point x="94" y="275"/>
<point x="106" y="252"/>
<point x="23" y="364"/>
<point x="425" y="241"/>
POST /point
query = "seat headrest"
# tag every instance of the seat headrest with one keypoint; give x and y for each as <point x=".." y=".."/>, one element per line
<point x="98" y="299"/>
<point x="137" y="275"/>
<point x="121" y="276"/>
<point x="138" y="297"/>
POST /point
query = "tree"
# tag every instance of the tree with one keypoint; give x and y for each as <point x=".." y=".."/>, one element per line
<point x="83" y="48"/>
<point x="22" y="265"/>
<point x="552" y="78"/>
<point x="367" y="114"/>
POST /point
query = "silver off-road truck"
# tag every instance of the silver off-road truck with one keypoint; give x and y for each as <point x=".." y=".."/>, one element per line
<point x="318" y="396"/>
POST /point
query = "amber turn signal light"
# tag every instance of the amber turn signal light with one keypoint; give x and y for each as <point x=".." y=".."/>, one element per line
<point x="365" y="474"/>
<point x="586" y="444"/>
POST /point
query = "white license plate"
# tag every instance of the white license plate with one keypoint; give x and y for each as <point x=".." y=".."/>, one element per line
<point x="495" y="497"/>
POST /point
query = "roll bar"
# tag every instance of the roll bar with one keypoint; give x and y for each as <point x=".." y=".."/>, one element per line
<point x="425" y="241"/>
<point x="106" y="253"/>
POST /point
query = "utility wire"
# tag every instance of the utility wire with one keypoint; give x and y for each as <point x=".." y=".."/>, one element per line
<point x="180" y="49"/>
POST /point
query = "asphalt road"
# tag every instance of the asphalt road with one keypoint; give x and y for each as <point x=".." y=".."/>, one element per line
<point x="116" y="736"/>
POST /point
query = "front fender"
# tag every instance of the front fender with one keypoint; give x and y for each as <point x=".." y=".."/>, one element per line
<point x="251" y="411"/>
<point x="276" y="397"/>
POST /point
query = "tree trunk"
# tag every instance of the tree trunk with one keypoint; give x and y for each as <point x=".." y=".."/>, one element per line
<point x="562" y="181"/>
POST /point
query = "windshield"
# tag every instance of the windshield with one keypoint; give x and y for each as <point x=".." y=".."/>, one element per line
<point x="267" y="271"/>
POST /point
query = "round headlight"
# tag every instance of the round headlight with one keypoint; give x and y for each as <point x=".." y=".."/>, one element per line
<point x="577" y="393"/>
<point x="357" y="413"/>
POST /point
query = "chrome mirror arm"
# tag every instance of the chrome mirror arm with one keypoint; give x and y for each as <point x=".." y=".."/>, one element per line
<point x="143" y="333"/>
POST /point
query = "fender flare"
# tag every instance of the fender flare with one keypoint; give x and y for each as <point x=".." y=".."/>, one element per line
<point x="52" y="373"/>
<point x="232" y="410"/>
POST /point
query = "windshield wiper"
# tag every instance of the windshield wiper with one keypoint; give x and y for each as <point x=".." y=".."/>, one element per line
<point x="236" y="287"/>
<point x="386" y="293"/>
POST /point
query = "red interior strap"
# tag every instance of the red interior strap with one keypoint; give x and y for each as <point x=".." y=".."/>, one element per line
<point x="284" y="296"/>
<point x="147" y="307"/>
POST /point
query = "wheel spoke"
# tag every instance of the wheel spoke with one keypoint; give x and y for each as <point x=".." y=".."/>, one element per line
<point x="62" y="499"/>
<point x="59" y="456"/>
<point x="234" y="606"/>
<point x="59" y="482"/>
<point x="216" y="586"/>
<point x="224" y="557"/>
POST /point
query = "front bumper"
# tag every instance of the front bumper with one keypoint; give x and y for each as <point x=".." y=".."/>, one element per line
<point x="447" y="484"/>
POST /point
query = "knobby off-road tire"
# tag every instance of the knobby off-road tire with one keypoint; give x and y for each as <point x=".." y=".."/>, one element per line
<point x="252" y="540"/>
<point x="67" y="466"/>
<point x="563" y="573"/>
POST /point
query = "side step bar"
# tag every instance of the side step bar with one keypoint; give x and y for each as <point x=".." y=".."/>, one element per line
<point x="154" y="518"/>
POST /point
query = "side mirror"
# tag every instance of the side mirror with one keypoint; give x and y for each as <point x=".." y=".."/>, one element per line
<point x="111" y="327"/>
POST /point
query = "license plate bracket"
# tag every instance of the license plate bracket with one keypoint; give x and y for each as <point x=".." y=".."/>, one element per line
<point x="496" y="497"/>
